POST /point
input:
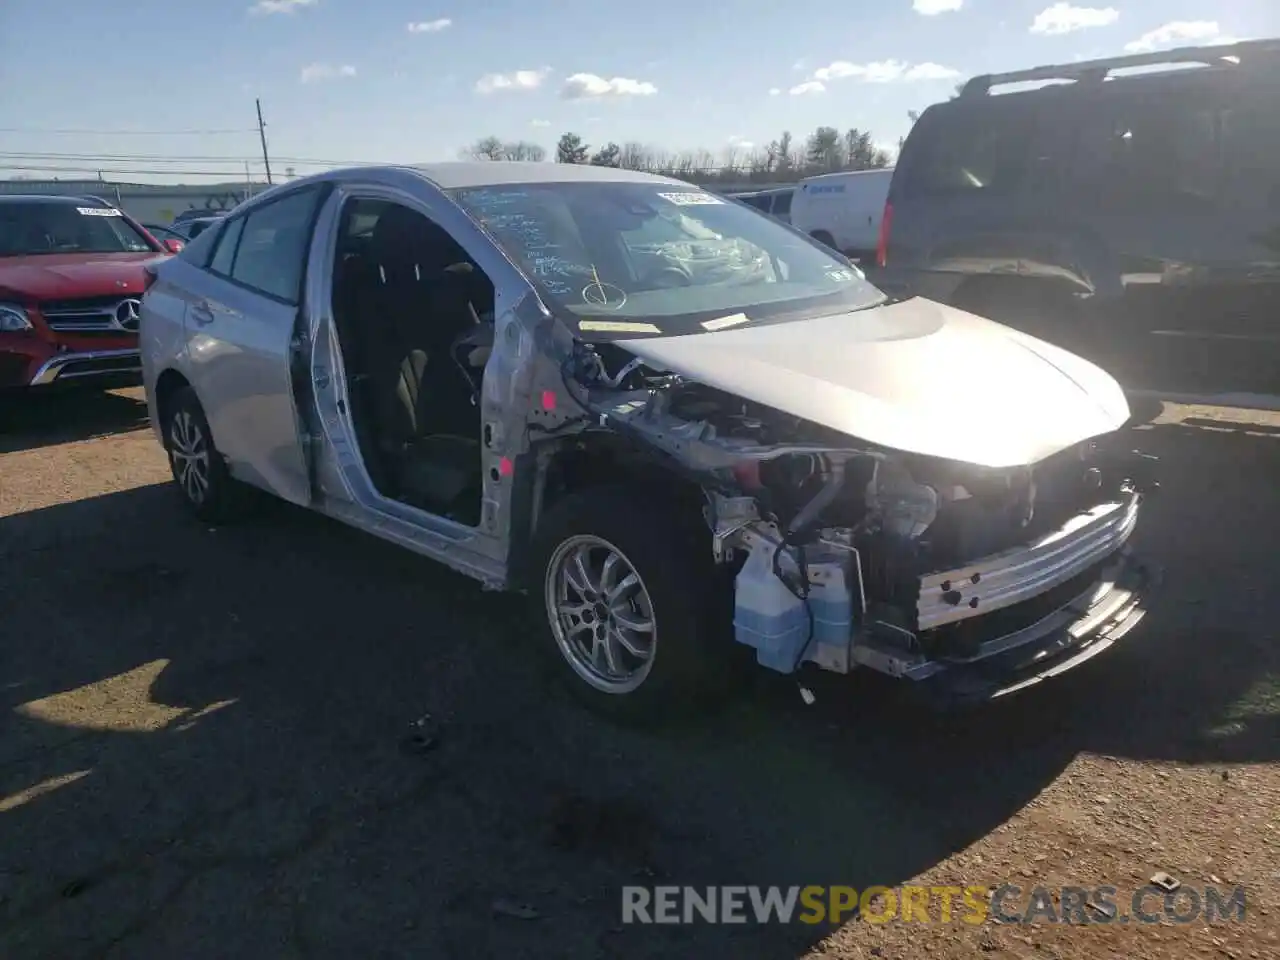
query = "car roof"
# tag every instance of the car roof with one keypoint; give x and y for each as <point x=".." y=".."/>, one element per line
<point x="453" y="175"/>
<point x="492" y="173"/>
<point x="1250" y="61"/>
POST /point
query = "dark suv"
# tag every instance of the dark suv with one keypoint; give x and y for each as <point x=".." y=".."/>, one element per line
<point x="1131" y="217"/>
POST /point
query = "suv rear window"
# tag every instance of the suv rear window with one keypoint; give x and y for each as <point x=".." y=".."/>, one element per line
<point x="960" y="151"/>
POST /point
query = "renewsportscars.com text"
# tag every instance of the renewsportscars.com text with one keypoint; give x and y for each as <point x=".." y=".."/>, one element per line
<point x="1006" y="903"/>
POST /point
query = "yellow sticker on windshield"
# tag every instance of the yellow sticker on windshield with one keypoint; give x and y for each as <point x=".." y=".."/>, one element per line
<point x="617" y="326"/>
<point x="719" y="323"/>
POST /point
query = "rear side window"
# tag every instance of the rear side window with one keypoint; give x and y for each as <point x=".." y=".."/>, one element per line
<point x="271" y="254"/>
<point x="224" y="256"/>
<point x="1251" y="144"/>
<point x="1146" y="152"/>
<point x="198" y="250"/>
<point x="782" y="204"/>
<point x="967" y="151"/>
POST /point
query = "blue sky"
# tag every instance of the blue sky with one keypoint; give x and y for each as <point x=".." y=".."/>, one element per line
<point x="349" y="80"/>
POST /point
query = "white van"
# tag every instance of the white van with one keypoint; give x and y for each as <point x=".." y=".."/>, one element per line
<point x="843" y="210"/>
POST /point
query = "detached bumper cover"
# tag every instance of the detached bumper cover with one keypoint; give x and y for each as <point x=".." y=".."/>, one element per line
<point x="74" y="365"/>
<point x="1065" y="639"/>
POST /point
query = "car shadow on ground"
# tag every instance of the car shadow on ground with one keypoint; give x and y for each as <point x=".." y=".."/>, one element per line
<point x="37" y="419"/>
<point x="290" y="739"/>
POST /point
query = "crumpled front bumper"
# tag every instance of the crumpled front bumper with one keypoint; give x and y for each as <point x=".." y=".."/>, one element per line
<point x="1072" y="635"/>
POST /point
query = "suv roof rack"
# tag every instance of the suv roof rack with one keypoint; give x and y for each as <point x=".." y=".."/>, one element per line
<point x="1095" y="71"/>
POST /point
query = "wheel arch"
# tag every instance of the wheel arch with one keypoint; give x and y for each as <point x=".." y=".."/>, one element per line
<point x="167" y="385"/>
<point x="560" y="469"/>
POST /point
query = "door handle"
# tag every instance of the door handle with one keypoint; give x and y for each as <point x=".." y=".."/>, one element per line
<point x="202" y="313"/>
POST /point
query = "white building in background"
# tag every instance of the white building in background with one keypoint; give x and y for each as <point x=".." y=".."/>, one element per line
<point x="146" y="202"/>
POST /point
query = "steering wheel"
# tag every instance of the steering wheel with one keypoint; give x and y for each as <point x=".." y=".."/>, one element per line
<point x="665" y="278"/>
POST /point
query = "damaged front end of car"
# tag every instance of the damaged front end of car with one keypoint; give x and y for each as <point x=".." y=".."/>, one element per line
<point x="968" y="581"/>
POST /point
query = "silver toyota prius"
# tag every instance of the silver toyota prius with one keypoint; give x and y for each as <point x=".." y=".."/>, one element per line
<point x="685" y="430"/>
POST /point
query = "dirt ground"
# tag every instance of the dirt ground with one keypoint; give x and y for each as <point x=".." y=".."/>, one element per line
<point x="288" y="740"/>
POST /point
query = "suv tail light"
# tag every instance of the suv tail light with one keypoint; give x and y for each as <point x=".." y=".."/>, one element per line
<point x="882" y="247"/>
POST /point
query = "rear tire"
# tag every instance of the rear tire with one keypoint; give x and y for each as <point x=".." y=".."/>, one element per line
<point x="200" y="473"/>
<point x="636" y="618"/>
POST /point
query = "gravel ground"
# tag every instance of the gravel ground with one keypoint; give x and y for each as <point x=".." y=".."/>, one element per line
<point x="290" y="740"/>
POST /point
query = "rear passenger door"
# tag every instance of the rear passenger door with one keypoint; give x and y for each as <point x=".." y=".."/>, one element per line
<point x="245" y="335"/>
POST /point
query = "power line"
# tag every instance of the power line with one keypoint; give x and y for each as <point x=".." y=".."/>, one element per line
<point x="129" y="133"/>
<point x="177" y="158"/>
<point x="133" y="171"/>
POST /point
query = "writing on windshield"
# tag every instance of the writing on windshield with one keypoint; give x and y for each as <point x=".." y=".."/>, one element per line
<point x="624" y="257"/>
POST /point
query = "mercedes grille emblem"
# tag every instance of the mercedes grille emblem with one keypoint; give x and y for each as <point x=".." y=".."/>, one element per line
<point x="127" y="314"/>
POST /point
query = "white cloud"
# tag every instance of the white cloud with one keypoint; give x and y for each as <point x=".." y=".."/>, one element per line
<point x="1178" y="31"/>
<point x="884" y="71"/>
<point x="739" y="143"/>
<point x="325" y="71"/>
<point x="430" y="26"/>
<point x="519" y="80"/>
<point x="263" y="7"/>
<point x="808" y="87"/>
<point x="539" y="123"/>
<point x="774" y="91"/>
<point x="588" y="86"/>
<point x="1064" y="18"/>
<point x="931" y="8"/>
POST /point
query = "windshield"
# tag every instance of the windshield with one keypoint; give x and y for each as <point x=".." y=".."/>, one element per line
<point x="621" y="259"/>
<point x="28" y="229"/>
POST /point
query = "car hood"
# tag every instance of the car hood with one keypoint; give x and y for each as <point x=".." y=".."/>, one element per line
<point x="916" y="376"/>
<point x="63" y="276"/>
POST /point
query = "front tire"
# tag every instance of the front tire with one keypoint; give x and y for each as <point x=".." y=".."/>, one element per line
<point x="200" y="473"/>
<point x="629" y="596"/>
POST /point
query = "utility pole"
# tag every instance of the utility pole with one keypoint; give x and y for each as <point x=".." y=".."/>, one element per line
<point x="262" y="135"/>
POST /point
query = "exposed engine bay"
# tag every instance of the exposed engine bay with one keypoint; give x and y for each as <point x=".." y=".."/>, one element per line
<point x="851" y="554"/>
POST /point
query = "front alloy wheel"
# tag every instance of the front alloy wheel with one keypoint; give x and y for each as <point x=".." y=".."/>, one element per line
<point x="615" y="564"/>
<point x="601" y="614"/>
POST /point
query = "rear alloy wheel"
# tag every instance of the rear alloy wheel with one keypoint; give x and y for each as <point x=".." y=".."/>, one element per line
<point x="199" y="471"/>
<point x="629" y="594"/>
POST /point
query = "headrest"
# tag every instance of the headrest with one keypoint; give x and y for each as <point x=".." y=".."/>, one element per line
<point x="396" y="235"/>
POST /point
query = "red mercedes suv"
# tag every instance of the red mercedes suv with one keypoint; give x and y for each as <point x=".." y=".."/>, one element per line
<point x="71" y="278"/>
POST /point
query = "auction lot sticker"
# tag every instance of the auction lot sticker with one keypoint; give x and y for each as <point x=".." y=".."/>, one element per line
<point x="690" y="199"/>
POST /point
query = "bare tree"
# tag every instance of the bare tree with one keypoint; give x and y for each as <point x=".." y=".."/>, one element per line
<point x="524" y="150"/>
<point x="635" y="156"/>
<point x="486" y="148"/>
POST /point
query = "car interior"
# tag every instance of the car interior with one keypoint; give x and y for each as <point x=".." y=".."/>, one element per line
<point x="414" y="316"/>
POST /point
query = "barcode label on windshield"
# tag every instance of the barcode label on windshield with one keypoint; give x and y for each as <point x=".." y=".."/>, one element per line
<point x="690" y="199"/>
<point x="98" y="212"/>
